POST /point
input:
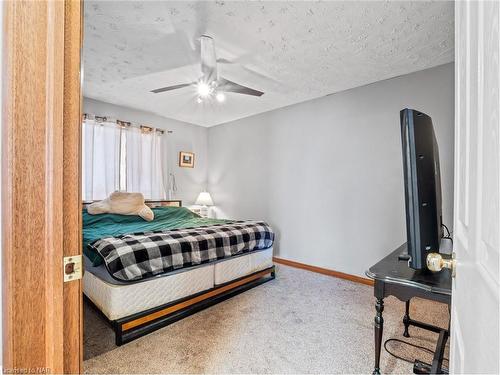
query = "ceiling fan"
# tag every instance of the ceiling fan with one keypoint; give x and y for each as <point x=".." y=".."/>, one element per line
<point x="210" y="85"/>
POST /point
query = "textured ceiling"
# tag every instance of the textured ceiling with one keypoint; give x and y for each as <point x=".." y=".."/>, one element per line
<point x="293" y="51"/>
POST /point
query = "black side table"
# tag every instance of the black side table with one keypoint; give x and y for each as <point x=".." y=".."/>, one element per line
<point x="393" y="277"/>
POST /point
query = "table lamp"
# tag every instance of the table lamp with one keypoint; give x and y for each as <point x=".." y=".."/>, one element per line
<point x="204" y="200"/>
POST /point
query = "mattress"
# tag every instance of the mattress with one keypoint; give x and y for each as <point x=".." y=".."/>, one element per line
<point x="117" y="299"/>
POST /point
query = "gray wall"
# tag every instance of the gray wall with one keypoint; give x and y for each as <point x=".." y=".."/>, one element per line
<point x="327" y="174"/>
<point x="185" y="137"/>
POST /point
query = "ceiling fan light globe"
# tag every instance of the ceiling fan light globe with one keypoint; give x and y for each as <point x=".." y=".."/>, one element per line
<point x="203" y="89"/>
<point x="221" y="97"/>
<point x="199" y="100"/>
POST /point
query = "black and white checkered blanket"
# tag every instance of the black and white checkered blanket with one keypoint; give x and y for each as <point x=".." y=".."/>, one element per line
<point x="140" y="255"/>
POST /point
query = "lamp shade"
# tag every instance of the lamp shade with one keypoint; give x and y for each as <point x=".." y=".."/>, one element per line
<point x="204" y="199"/>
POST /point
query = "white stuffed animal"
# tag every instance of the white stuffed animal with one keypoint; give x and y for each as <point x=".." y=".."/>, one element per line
<point x="122" y="203"/>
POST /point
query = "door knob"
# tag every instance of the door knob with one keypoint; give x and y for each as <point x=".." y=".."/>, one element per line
<point x="436" y="262"/>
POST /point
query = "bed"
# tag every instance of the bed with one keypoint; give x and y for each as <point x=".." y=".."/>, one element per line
<point x="138" y="296"/>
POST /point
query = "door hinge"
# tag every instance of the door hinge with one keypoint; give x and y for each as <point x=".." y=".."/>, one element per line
<point x="72" y="268"/>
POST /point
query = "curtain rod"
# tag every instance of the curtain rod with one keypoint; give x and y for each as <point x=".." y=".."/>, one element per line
<point x="123" y="124"/>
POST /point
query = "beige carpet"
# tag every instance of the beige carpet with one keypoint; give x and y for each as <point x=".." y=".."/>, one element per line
<point x="302" y="322"/>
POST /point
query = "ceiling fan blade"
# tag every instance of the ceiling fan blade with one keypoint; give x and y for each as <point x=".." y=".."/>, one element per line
<point x="247" y="74"/>
<point x="245" y="58"/>
<point x="228" y="86"/>
<point x="226" y="61"/>
<point x="169" y="88"/>
<point x="249" y="71"/>
<point x="208" y="59"/>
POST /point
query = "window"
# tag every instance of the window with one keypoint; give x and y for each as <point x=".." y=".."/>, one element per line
<point x="125" y="157"/>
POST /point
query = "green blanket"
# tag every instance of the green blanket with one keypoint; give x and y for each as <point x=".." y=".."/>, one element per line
<point x="111" y="225"/>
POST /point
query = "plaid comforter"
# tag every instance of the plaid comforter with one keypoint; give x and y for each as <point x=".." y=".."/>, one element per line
<point x="137" y="256"/>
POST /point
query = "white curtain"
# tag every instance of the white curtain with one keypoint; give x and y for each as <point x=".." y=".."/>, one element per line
<point x="123" y="158"/>
<point x="146" y="162"/>
<point x="101" y="145"/>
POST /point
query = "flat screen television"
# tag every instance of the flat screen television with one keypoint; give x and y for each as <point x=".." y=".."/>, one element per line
<point x="422" y="179"/>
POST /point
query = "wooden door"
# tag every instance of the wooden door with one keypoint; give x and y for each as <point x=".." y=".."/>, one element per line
<point x="475" y="303"/>
<point x="72" y="200"/>
<point x="42" y="329"/>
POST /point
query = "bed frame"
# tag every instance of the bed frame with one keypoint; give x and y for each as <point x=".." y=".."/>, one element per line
<point x="137" y="325"/>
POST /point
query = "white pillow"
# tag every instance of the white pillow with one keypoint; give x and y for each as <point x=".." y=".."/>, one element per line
<point x="122" y="203"/>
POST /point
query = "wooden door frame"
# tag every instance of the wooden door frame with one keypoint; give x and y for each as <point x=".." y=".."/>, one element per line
<point x="41" y="203"/>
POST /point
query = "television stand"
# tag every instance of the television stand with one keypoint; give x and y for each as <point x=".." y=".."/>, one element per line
<point x="393" y="277"/>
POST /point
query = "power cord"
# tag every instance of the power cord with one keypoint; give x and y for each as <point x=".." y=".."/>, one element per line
<point x="447" y="231"/>
<point x="448" y="235"/>
<point x="427" y="350"/>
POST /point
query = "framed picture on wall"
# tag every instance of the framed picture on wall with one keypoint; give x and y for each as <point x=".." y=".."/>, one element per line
<point x="186" y="159"/>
